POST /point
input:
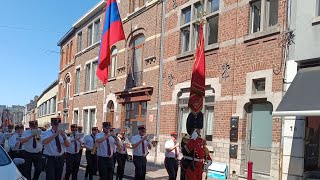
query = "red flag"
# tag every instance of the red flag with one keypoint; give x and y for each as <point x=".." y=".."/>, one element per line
<point x="197" y="90"/>
<point x="112" y="33"/>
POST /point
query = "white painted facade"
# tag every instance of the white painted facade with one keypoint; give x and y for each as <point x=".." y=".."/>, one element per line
<point x="45" y="97"/>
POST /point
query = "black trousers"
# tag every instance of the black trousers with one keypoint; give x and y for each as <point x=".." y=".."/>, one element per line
<point x="140" y="163"/>
<point x="19" y="154"/>
<point x="36" y="160"/>
<point x="72" y="165"/>
<point x="54" y="167"/>
<point x="105" y="166"/>
<point x="80" y="153"/>
<point x="121" y="160"/>
<point x="114" y="159"/>
<point x="171" y="165"/>
<point x="92" y="164"/>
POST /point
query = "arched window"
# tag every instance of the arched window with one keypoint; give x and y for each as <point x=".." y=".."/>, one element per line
<point x="137" y="47"/>
<point x="113" y="62"/>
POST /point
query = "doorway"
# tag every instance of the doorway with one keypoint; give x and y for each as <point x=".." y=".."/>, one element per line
<point x="259" y="141"/>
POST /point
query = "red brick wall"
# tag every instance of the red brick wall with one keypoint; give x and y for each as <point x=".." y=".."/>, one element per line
<point x="148" y="23"/>
<point x="261" y="54"/>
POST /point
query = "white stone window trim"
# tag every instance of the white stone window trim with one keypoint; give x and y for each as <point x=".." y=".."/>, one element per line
<point x="263" y="21"/>
<point x="75" y="109"/>
<point x="93" y="24"/>
<point x="75" y="81"/>
<point x="88" y="108"/>
<point x="79" y="33"/>
<point x="91" y="61"/>
<point x="191" y="4"/>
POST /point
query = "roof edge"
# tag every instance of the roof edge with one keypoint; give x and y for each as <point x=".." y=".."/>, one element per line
<point x="89" y="14"/>
<point x="52" y="85"/>
<point x="66" y="36"/>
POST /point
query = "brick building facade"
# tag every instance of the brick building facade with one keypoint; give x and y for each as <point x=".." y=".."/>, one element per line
<point x="130" y="96"/>
<point x="243" y="78"/>
<point x="243" y="75"/>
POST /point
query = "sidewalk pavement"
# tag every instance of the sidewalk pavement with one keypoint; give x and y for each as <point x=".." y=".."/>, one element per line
<point x="154" y="172"/>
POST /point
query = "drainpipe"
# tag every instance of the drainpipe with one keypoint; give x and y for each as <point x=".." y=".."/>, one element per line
<point x="160" y="73"/>
<point x="286" y="55"/>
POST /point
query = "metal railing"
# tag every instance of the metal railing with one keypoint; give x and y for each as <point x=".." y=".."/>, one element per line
<point x="135" y="79"/>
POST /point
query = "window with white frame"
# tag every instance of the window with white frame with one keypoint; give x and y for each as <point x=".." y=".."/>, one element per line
<point x="89" y="120"/>
<point x="91" y="78"/>
<point x="264" y="14"/>
<point x="113" y="62"/>
<point x="54" y="104"/>
<point x="93" y="32"/>
<point x="97" y="34"/>
<point x="75" y="116"/>
<point x="90" y="35"/>
<point x="77" y="81"/>
<point x="79" y="42"/>
<point x="190" y="27"/>
<point x="208" y="112"/>
<point x="48" y="107"/>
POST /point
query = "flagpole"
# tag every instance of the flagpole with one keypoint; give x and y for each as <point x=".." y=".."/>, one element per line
<point x="160" y="74"/>
<point x="104" y="101"/>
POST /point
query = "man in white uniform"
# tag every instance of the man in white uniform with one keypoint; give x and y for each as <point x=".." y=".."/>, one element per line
<point x="105" y="152"/>
<point x="33" y="151"/>
<point x="140" y="147"/>
<point x="171" y="156"/>
<point x="54" y="141"/>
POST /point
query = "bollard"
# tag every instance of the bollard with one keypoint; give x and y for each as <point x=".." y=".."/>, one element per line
<point x="249" y="177"/>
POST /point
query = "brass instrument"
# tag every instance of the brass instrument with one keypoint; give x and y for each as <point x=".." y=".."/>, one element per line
<point x="38" y="138"/>
<point x="94" y="149"/>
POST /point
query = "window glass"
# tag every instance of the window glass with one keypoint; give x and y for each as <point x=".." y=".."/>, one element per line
<point x="212" y="30"/>
<point x="185" y="39"/>
<point x="186" y="15"/>
<point x="255" y="16"/>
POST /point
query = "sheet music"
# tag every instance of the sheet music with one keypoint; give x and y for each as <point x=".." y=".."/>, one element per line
<point x="150" y="136"/>
<point x="64" y="126"/>
<point x="36" y="132"/>
<point x="80" y="135"/>
<point x="117" y="131"/>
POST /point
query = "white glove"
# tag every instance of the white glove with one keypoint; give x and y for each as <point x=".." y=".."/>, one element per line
<point x="194" y="135"/>
<point x="209" y="162"/>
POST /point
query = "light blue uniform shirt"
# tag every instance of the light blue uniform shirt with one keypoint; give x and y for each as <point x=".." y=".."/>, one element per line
<point x="88" y="141"/>
<point x="28" y="146"/>
<point x="51" y="148"/>
<point x="14" y="143"/>
<point x="102" y="150"/>
<point x="71" y="149"/>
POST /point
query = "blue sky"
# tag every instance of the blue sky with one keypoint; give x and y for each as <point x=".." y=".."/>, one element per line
<point x="29" y="32"/>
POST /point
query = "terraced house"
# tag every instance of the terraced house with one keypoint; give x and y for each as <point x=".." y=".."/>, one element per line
<point x="244" y="76"/>
<point x="130" y="96"/>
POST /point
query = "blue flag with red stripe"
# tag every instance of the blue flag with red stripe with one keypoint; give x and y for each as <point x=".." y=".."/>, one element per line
<point x="111" y="34"/>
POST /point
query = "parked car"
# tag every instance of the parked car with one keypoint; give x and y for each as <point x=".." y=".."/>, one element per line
<point x="8" y="167"/>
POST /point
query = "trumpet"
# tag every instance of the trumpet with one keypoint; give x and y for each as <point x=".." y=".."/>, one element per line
<point x="38" y="138"/>
<point x="94" y="149"/>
